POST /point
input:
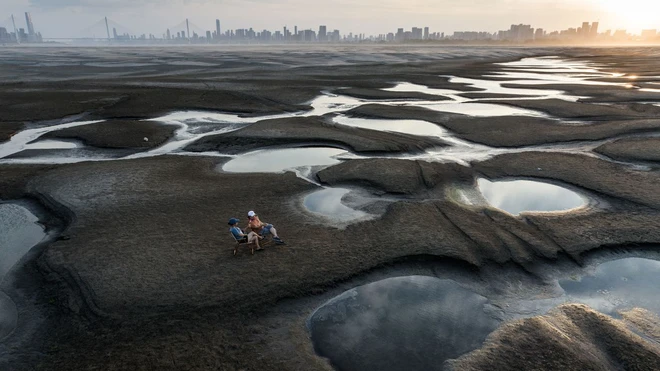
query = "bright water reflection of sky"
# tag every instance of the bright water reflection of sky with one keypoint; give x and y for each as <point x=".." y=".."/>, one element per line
<point x="327" y="202"/>
<point x="405" y="323"/>
<point x="518" y="196"/>
<point x="279" y="160"/>
<point x="18" y="233"/>
<point x="619" y="284"/>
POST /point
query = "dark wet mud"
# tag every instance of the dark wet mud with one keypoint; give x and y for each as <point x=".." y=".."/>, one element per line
<point x="403" y="138"/>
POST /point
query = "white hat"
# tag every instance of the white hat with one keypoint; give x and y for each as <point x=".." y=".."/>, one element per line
<point x="251" y="213"/>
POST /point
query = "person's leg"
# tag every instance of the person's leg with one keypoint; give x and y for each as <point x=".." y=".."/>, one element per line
<point x="254" y="238"/>
<point x="273" y="231"/>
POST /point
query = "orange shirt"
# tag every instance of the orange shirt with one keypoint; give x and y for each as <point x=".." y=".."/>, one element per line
<point x="255" y="224"/>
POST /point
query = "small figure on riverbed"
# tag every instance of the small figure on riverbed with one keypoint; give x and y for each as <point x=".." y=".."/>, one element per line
<point x="263" y="229"/>
<point x="241" y="236"/>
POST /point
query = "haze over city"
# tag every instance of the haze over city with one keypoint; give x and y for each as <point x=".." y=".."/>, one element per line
<point x="67" y="18"/>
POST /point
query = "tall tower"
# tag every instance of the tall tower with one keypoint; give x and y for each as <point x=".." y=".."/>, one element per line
<point x="323" y="31"/>
<point x="217" y="28"/>
<point x="594" y="29"/>
<point x="30" y="26"/>
<point x="107" y="29"/>
<point x="586" y="29"/>
<point x="18" y="37"/>
<point x="187" y="29"/>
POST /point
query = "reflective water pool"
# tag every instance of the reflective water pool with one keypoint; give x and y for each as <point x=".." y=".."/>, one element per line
<point x="20" y="140"/>
<point x="617" y="285"/>
<point x="409" y="87"/>
<point x="414" y="127"/>
<point x="8" y="315"/>
<point x="481" y="109"/>
<point x="327" y="202"/>
<point x="495" y="87"/>
<point x="517" y="196"/>
<point x="405" y="323"/>
<point x="280" y="160"/>
<point x="53" y="144"/>
<point x="19" y="232"/>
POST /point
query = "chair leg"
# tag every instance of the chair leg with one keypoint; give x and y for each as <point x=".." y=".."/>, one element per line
<point x="236" y="248"/>
<point x="252" y="248"/>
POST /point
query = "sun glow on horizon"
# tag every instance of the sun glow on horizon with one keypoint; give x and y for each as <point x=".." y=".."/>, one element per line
<point x="634" y="14"/>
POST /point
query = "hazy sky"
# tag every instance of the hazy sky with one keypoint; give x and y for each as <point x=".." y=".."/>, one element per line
<point x="64" y="18"/>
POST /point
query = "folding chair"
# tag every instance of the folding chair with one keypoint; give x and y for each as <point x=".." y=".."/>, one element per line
<point x="242" y="241"/>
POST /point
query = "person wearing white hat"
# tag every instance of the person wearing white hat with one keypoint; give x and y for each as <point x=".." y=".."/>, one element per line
<point x="262" y="228"/>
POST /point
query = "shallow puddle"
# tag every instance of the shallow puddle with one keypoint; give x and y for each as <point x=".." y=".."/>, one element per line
<point x="551" y="64"/>
<point x="21" y="140"/>
<point x="405" y="323"/>
<point x="617" y="285"/>
<point x="517" y="196"/>
<point x="407" y="87"/>
<point x="495" y="87"/>
<point x="328" y="203"/>
<point x="330" y="103"/>
<point x="53" y="144"/>
<point x="482" y="109"/>
<point x="19" y="232"/>
<point x="8" y="315"/>
<point x="413" y="127"/>
<point x="280" y="160"/>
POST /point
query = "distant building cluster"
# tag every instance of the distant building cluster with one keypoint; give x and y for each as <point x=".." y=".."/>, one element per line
<point x="587" y="33"/>
<point x="20" y="35"/>
<point x="181" y="34"/>
<point x="520" y="33"/>
<point x="249" y="35"/>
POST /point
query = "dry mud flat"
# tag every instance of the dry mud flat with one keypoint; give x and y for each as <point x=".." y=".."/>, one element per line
<point x="145" y="279"/>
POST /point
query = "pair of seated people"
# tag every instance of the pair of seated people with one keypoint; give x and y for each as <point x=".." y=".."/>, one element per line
<point x="257" y="230"/>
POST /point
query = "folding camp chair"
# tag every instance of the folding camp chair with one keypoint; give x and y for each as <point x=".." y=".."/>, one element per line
<point x="265" y="242"/>
<point x="242" y="241"/>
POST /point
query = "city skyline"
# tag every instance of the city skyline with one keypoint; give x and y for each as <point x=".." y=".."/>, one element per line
<point x="586" y="33"/>
<point x="64" y="18"/>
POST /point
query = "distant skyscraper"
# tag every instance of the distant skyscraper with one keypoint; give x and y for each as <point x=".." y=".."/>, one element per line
<point x="30" y="26"/>
<point x="426" y="33"/>
<point x="586" y="29"/>
<point x="187" y="29"/>
<point x="169" y="35"/>
<point x="594" y="29"/>
<point x="13" y="21"/>
<point x="217" y="28"/>
<point x="323" y="34"/>
<point x="107" y="29"/>
<point x="417" y="33"/>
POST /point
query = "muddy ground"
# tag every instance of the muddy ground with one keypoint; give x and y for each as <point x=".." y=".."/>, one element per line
<point x="139" y="273"/>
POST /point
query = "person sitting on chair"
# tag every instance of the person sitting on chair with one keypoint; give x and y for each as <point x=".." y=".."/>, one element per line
<point x="262" y="228"/>
<point x="240" y="236"/>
